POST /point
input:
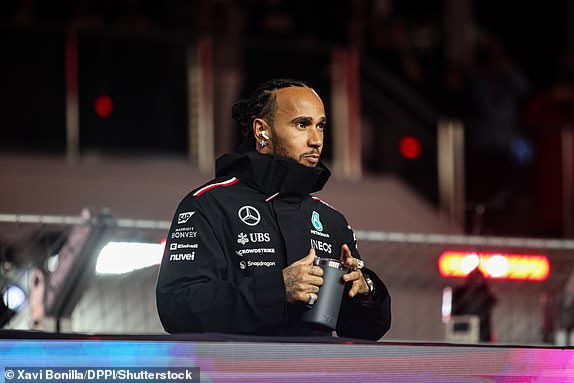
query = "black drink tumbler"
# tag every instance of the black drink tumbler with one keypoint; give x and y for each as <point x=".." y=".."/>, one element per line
<point x="324" y="313"/>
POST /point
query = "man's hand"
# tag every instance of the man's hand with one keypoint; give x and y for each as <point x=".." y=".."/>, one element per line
<point x="355" y="276"/>
<point x="302" y="279"/>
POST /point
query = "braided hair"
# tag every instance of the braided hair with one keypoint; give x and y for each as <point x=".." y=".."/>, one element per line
<point x="261" y="103"/>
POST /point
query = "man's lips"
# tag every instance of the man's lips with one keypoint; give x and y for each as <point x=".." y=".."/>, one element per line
<point x="314" y="158"/>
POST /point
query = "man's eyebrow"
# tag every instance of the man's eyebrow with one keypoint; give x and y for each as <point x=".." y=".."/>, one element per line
<point x="302" y="119"/>
<point x="307" y="120"/>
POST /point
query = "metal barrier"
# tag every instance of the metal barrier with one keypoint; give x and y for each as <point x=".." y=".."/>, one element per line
<point x="525" y="312"/>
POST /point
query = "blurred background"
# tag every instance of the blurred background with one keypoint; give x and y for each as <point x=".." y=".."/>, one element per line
<point x="450" y="132"/>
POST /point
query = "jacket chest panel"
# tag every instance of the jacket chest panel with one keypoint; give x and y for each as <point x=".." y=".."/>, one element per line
<point x="254" y="243"/>
<point x="323" y="234"/>
<point x="264" y="236"/>
<point x="305" y="228"/>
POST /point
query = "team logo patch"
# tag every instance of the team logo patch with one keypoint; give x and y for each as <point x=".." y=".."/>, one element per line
<point x="249" y="215"/>
<point x="184" y="217"/>
<point x="316" y="221"/>
<point x="242" y="238"/>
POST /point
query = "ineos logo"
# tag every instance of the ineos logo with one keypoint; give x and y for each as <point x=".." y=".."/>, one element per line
<point x="249" y="215"/>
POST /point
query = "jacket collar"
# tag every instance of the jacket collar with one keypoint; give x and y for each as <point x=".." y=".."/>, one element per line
<point x="271" y="175"/>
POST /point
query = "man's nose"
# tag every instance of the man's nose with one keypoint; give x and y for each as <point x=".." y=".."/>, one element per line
<point x="315" y="138"/>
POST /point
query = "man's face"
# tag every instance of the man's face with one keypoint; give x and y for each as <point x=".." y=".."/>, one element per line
<point x="298" y="124"/>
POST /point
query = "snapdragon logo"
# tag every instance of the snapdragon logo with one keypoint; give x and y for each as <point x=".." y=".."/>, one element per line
<point x="261" y="263"/>
<point x="244" y="264"/>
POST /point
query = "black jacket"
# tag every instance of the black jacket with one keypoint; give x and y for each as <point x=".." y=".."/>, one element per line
<point x="230" y="240"/>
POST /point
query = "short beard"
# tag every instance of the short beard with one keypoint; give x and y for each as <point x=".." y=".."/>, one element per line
<point x="279" y="150"/>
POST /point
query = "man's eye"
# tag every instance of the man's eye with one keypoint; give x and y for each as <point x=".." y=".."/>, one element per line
<point x="300" y="125"/>
<point x="322" y="126"/>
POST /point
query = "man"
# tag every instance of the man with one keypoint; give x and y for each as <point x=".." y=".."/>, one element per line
<point x="239" y="255"/>
<point x="475" y="298"/>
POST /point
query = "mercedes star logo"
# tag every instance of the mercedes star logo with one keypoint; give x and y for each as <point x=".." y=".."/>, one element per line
<point x="249" y="215"/>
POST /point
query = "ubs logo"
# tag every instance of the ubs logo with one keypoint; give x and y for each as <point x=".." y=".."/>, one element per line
<point x="242" y="238"/>
<point x="260" y="237"/>
<point x="249" y="215"/>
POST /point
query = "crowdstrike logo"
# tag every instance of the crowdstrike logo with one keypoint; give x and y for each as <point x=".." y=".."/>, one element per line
<point x="249" y="215"/>
<point x="263" y="250"/>
<point x="242" y="238"/>
<point x="184" y="217"/>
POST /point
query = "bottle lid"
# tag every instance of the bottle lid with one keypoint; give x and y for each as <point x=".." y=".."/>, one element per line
<point x="330" y="262"/>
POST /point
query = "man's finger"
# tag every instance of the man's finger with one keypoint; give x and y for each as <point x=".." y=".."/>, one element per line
<point x="312" y="299"/>
<point x="306" y="260"/>
<point x="313" y="280"/>
<point x="352" y="276"/>
<point x="358" y="286"/>
<point x="345" y="253"/>
<point x="316" y="271"/>
<point x="347" y="258"/>
<point x="313" y="289"/>
<point x="355" y="289"/>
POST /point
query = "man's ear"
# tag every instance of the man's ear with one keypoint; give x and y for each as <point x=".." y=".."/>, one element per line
<point x="262" y="134"/>
<point x="257" y="127"/>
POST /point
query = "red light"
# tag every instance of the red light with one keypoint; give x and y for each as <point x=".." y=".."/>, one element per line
<point x="533" y="267"/>
<point x="410" y="147"/>
<point x="103" y="106"/>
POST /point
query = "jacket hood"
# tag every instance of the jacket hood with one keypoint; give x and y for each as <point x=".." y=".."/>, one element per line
<point x="270" y="174"/>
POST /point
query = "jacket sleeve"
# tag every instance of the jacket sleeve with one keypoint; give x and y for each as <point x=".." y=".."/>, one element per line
<point x="364" y="317"/>
<point x="196" y="290"/>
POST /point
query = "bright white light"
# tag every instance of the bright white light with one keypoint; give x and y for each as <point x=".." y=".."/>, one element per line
<point x="446" y="304"/>
<point x="53" y="262"/>
<point x="14" y="297"/>
<point x="497" y="266"/>
<point x="469" y="263"/>
<point x="123" y="257"/>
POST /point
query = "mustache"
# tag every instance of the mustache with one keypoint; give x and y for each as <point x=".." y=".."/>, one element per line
<point x="311" y="152"/>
